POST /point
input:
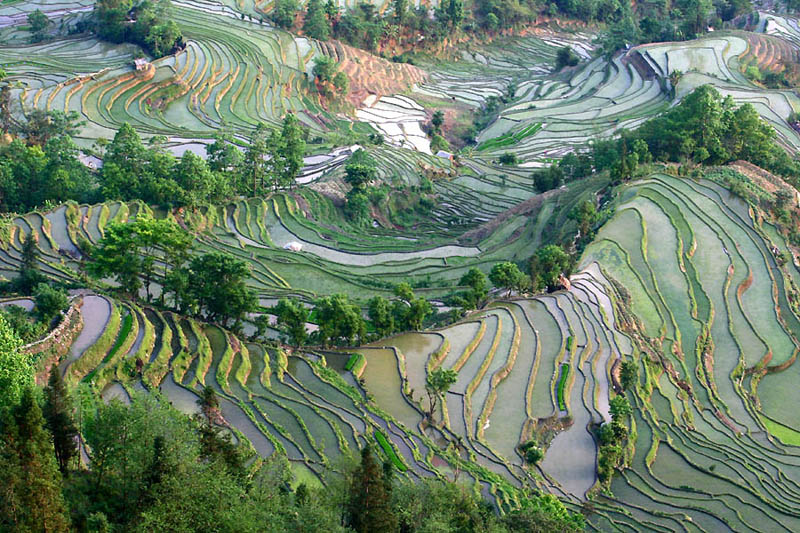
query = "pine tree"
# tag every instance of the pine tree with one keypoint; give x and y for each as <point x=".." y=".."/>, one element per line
<point x="30" y="495"/>
<point x="370" y="497"/>
<point x="58" y="417"/>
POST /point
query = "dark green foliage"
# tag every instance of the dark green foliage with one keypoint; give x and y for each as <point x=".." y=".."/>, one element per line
<point x="316" y="24"/>
<point x="129" y="252"/>
<point x="29" y="276"/>
<point x="360" y="170"/>
<point x="38" y="22"/>
<point x="566" y="57"/>
<point x="548" y="178"/>
<point x="627" y="374"/>
<point x="283" y="13"/>
<point x="217" y="282"/>
<point x="31" y="497"/>
<point x="49" y="302"/>
<point x="508" y="158"/>
<point x="133" y="171"/>
<point x="59" y="419"/>
<point x="507" y="275"/>
<point x="292" y="315"/>
<point x="45" y="167"/>
<point x="380" y="316"/>
<point x="339" y="320"/>
<point x="152" y="28"/>
<point x="547" y="265"/>
<point x="478" y="287"/>
<point x="437" y="384"/>
<point x="709" y="129"/>
<point x="369" y="507"/>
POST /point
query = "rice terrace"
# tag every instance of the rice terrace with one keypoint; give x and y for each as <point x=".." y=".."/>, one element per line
<point x="391" y="266"/>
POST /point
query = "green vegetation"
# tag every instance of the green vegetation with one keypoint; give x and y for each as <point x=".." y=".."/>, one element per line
<point x="509" y="138"/>
<point x="389" y="451"/>
<point x="562" y="383"/>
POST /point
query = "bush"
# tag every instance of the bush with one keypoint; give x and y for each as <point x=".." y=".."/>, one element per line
<point x="508" y="158"/>
<point x="49" y="302"/>
<point x="566" y="57"/>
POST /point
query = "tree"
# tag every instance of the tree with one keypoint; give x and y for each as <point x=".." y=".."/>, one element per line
<point x="370" y="507"/>
<point x="287" y="152"/>
<point x="438" y="383"/>
<point x="209" y="404"/>
<point x="566" y="57"/>
<point x="283" y="14"/>
<point x="58" y="416"/>
<point x="437" y="121"/>
<point x="619" y="407"/>
<point x="316" y="24"/>
<point x="31" y="498"/>
<point x="255" y="166"/>
<point x="627" y="374"/>
<point x="293" y="316"/>
<point x="585" y="215"/>
<point x="339" y="319"/>
<point x="49" y="302"/>
<point x="548" y="178"/>
<point x="217" y="282"/>
<point x="507" y="275"/>
<point x="29" y="275"/>
<point x="399" y="7"/>
<point x="130" y="252"/>
<point x="547" y="265"/>
<point x="360" y="170"/>
<point x="16" y="368"/>
<point x="38" y="22"/>
<point x="380" y="315"/>
<point x="223" y="155"/>
<point x="478" y="288"/>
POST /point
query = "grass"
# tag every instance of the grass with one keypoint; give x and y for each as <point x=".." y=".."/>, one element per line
<point x="127" y="324"/>
<point x="389" y="450"/>
<point x="786" y="434"/>
<point x="510" y="138"/>
<point x="351" y="362"/>
<point x="562" y="382"/>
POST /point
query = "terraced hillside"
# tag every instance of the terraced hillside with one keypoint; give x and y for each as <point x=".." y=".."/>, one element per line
<point x="337" y="256"/>
<point x="684" y="280"/>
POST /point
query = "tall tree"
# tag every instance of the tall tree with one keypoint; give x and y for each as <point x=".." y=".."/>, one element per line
<point x="30" y="498"/>
<point x="438" y="383"/>
<point x="218" y="284"/>
<point x="547" y="264"/>
<point x="58" y="416"/>
<point x="16" y="368"/>
<point x="293" y="316"/>
<point x="507" y="275"/>
<point x="380" y="314"/>
<point x="370" y="507"/>
<point x="316" y="24"/>
<point x="339" y="319"/>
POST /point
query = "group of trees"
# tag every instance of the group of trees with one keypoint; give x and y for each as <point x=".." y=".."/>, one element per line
<point x="612" y="437"/>
<point x="148" y="23"/>
<point x="331" y="82"/>
<point x="677" y="21"/>
<point x="152" y="468"/>
<point x="147" y="250"/>
<point x="704" y="128"/>
<point x="341" y="321"/>
<point x="545" y="268"/>
<point x="37" y="24"/>
<point x="42" y="165"/>
<point x="360" y="172"/>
